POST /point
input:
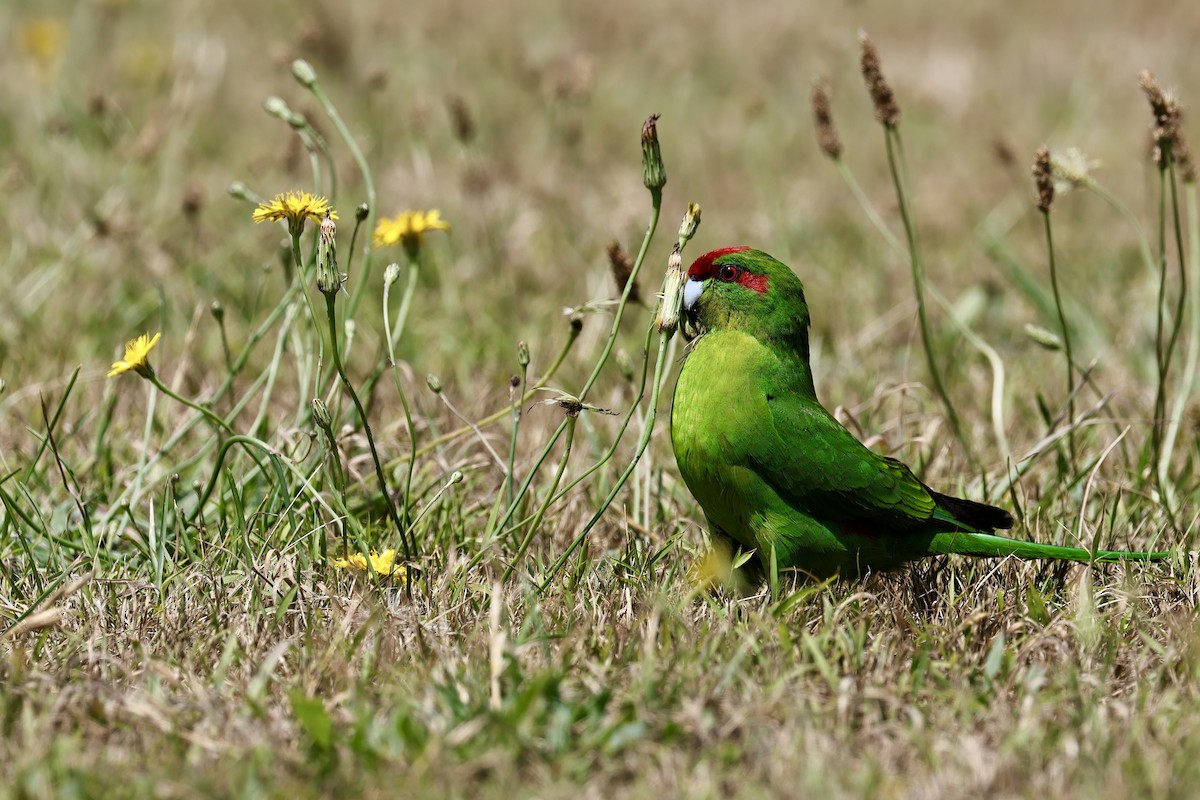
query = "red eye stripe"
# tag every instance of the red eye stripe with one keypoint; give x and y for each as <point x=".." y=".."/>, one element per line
<point x="757" y="283"/>
<point x="703" y="267"/>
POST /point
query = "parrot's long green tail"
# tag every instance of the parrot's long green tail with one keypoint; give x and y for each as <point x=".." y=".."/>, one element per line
<point x="987" y="545"/>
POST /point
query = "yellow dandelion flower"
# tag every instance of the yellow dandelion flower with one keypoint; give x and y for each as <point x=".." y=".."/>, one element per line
<point x="43" y="39"/>
<point x="136" y="352"/>
<point x="295" y="207"/>
<point x="383" y="563"/>
<point x="409" y="228"/>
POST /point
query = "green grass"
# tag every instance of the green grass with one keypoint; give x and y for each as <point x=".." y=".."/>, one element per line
<point x="153" y="646"/>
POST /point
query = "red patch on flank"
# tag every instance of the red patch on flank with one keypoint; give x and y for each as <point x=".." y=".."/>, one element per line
<point x="703" y="267"/>
<point x="756" y="282"/>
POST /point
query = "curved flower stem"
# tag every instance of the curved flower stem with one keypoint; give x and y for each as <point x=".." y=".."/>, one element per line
<point x="331" y="313"/>
<point x="1184" y="389"/>
<point x="655" y="209"/>
<point x="501" y="414"/>
<point x="516" y="402"/>
<point x="410" y="287"/>
<point x="643" y="443"/>
<point x="300" y="278"/>
<point x="624" y="426"/>
<point x="550" y="497"/>
<point x="656" y="206"/>
<point x="390" y="339"/>
<point x="368" y="180"/>
<point x="208" y="414"/>
<point x="1066" y="334"/>
<point x="895" y="155"/>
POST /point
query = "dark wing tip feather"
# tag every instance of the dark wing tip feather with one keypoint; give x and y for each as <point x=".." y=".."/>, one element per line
<point x="976" y="515"/>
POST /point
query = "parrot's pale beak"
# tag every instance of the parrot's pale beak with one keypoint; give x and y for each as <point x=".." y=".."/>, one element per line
<point x="691" y="295"/>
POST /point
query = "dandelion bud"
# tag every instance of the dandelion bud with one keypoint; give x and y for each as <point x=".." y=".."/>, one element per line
<point x="321" y="415"/>
<point x="240" y="191"/>
<point x="456" y="476"/>
<point x="654" y="173"/>
<point x="886" y="111"/>
<point x="672" y="294"/>
<point x="576" y="323"/>
<point x="523" y="354"/>
<point x="276" y="107"/>
<point x="1047" y="339"/>
<point x="304" y="73"/>
<point x="391" y="274"/>
<point x="434" y="383"/>
<point x="362" y="211"/>
<point x="1044" y="180"/>
<point x="328" y="277"/>
<point x="691" y="221"/>
<point x="218" y="311"/>
<point x="513" y="382"/>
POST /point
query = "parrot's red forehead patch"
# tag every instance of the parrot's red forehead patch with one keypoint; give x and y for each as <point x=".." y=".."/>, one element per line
<point x="703" y="267"/>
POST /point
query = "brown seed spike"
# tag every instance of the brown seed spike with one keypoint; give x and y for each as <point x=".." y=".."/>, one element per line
<point x="1181" y="151"/>
<point x="886" y="110"/>
<point x="1043" y="179"/>
<point x="827" y="136"/>
<point x="1166" y="115"/>
<point x="622" y="268"/>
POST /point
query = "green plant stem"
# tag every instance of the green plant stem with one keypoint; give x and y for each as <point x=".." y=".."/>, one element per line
<point x="390" y="340"/>
<point x="209" y="415"/>
<point x="331" y="313"/>
<point x="656" y="207"/>
<point x="895" y="155"/>
<point x="368" y="181"/>
<point x="643" y="443"/>
<point x="410" y="287"/>
<point x="572" y="336"/>
<point x="1066" y="334"/>
<point x="516" y="426"/>
<point x="536" y="521"/>
<point x="300" y="279"/>
<point x="1188" y="382"/>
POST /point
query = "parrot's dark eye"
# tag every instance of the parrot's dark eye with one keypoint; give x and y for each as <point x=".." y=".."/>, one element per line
<point x="728" y="273"/>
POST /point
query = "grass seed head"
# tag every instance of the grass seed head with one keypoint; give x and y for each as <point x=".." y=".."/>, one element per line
<point x="1166" y="112"/>
<point x="887" y="112"/>
<point x="622" y="267"/>
<point x="827" y="135"/>
<point x="1043" y="179"/>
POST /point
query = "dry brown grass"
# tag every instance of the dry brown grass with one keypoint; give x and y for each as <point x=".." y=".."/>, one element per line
<point x="229" y="660"/>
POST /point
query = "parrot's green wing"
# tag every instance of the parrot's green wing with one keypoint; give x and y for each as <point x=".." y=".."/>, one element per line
<point x="818" y="466"/>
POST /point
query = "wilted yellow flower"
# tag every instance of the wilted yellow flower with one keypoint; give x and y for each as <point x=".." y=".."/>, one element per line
<point x="409" y="228"/>
<point x="295" y="207"/>
<point x="136" y="352"/>
<point x="383" y="563"/>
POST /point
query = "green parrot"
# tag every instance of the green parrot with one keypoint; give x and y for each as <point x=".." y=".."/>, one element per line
<point x="775" y="472"/>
